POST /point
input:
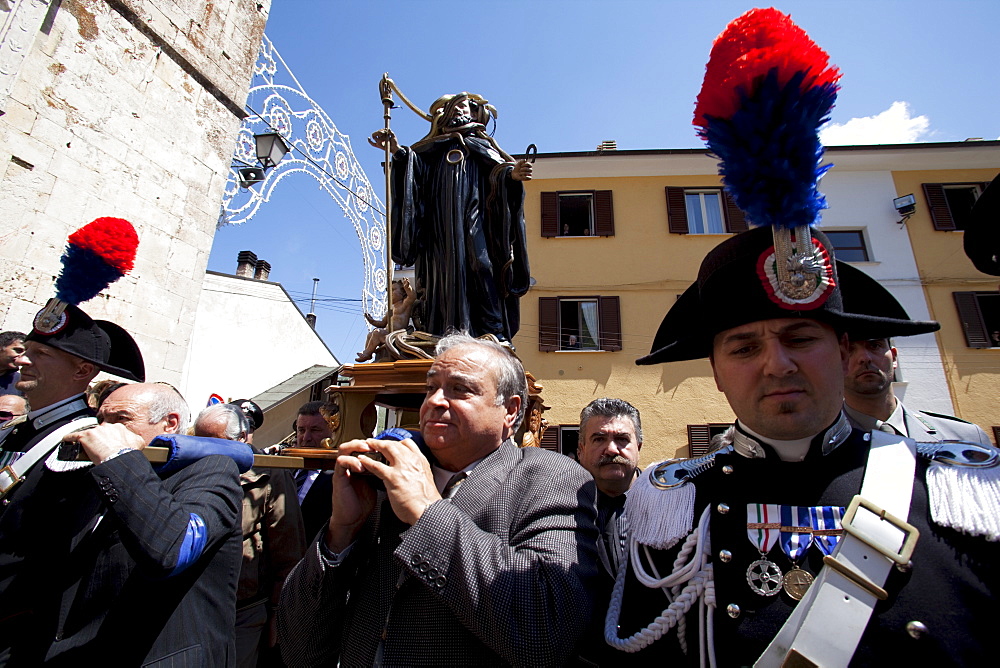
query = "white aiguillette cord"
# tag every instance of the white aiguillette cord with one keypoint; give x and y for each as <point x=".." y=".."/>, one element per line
<point x="827" y="624"/>
<point x="11" y="475"/>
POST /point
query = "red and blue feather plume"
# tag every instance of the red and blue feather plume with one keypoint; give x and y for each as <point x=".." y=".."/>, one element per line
<point x="98" y="254"/>
<point x="768" y="88"/>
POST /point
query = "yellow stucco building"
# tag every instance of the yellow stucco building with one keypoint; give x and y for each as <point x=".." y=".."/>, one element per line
<point x="615" y="236"/>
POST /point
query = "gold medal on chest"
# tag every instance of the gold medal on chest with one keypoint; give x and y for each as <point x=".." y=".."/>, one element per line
<point x="796" y="582"/>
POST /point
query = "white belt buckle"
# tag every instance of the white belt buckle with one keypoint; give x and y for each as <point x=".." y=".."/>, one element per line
<point x="901" y="556"/>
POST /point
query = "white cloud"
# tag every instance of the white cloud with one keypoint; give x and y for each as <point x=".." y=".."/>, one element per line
<point x="892" y="126"/>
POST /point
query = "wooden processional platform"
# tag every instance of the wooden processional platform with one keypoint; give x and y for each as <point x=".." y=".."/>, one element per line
<point x="399" y="387"/>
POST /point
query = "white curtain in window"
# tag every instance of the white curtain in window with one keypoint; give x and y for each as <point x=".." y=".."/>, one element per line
<point x="588" y="325"/>
<point x="713" y="213"/>
<point x="693" y="203"/>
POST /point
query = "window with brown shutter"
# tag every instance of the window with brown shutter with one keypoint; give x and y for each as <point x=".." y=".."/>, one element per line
<point x="548" y="324"/>
<point x="951" y="203"/>
<point x="698" y="439"/>
<point x="579" y="323"/>
<point x="550" y="214"/>
<point x="677" y="221"/>
<point x="700" y="436"/>
<point x="578" y="213"/>
<point x="550" y="439"/>
<point x="611" y="323"/>
<point x="736" y="221"/>
<point x="979" y="313"/>
<point x="562" y="439"/>
<point x="679" y="214"/>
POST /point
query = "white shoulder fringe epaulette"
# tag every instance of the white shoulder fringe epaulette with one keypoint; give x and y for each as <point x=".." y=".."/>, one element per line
<point x="963" y="487"/>
<point x="660" y="504"/>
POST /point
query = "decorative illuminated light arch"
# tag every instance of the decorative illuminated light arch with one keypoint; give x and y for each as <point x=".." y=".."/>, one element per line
<point x="319" y="150"/>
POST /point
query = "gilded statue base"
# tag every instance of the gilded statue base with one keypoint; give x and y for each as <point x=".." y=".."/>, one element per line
<point x="399" y="387"/>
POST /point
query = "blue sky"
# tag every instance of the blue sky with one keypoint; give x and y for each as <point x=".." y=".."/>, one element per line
<point x="566" y="76"/>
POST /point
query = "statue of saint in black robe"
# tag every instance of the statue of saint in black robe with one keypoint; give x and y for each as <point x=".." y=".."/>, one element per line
<point x="457" y="216"/>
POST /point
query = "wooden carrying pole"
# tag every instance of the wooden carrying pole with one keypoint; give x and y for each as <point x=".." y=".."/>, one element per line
<point x="385" y="87"/>
<point x="323" y="459"/>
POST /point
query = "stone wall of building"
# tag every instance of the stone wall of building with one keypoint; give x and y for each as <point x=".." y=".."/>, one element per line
<point x="126" y="108"/>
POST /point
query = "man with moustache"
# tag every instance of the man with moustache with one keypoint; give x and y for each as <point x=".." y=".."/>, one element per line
<point x="870" y="403"/>
<point x="478" y="554"/>
<point x="610" y="440"/>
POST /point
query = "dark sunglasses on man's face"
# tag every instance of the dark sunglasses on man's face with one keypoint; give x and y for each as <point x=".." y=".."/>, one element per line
<point x="7" y="415"/>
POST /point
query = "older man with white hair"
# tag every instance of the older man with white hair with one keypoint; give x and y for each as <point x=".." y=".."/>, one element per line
<point x="222" y="421"/>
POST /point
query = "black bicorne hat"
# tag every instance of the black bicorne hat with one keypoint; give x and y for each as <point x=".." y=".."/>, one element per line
<point x="100" y="342"/>
<point x="982" y="231"/>
<point x="739" y="283"/>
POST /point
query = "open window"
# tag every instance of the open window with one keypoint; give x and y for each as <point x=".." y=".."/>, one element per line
<point x="700" y="436"/>
<point x="951" y="203"/>
<point x="578" y="213"/>
<point x="564" y="439"/>
<point x="579" y="323"/>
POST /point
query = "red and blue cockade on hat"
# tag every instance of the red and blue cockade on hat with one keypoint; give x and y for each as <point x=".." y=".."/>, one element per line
<point x="768" y="88"/>
<point x="97" y="255"/>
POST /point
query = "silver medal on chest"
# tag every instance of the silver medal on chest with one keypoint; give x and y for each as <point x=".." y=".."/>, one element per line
<point x="764" y="577"/>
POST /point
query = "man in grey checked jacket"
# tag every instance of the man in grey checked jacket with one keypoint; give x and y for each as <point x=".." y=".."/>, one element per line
<point x="495" y="571"/>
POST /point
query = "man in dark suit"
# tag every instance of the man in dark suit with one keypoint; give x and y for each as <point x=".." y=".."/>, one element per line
<point x="311" y="427"/>
<point x="480" y="553"/>
<point x="108" y="561"/>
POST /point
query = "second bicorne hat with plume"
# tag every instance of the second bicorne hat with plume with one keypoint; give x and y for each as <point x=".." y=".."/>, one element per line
<point x="97" y="255"/>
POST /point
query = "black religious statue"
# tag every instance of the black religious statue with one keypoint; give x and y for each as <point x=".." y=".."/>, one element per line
<point x="457" y="216"/>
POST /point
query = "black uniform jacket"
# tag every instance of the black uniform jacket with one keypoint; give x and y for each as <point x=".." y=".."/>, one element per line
<point x="953" y="581"/>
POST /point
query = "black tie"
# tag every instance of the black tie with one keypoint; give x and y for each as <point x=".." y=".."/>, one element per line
<point x="453" y="483"/>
